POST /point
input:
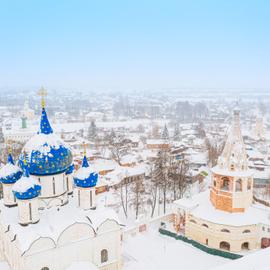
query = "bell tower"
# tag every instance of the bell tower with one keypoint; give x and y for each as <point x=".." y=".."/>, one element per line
<point x="232" y="180"/>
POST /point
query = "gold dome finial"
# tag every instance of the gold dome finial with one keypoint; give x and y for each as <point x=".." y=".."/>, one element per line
<point x="43" y="93"/>
<point x="24" y="158"/>
<point x="9" y="149"/>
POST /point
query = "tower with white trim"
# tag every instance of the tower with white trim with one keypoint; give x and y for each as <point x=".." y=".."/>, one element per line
<point x="48" y="160"/>
<point x="85" y="180"/>
<point x="9" y="175"/>
<point x="26" y="191"/>
<point x="232" y="180"/>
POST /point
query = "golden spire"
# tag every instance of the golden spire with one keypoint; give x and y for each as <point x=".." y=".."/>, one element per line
<point x="84" y="149"/>
<point x="43" y="93"/>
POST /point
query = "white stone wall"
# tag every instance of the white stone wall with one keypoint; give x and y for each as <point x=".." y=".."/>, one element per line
<point x="213" y="234"/>
<point x="69" y="181"/>
<point x="77" y="242"/>
<point x="28" y="211"/>
<point x="9" y="198"/>
<point x="52" y="185"/>
<point x="86" y="197"/>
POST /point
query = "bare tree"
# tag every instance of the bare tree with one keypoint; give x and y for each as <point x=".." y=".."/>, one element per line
<point x="124" y="195"/>
<point x="161" y="175"/>
<point x="152" y="190"/>
<point x="118" y="148"/>
<point x="214" y="150"/>
<point x="136" y="189"/>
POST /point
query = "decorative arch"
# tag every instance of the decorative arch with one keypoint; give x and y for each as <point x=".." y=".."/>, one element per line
<point x="41" y="242"/>
<point x="246" y="231"/>
<point x="238" y="185"/>
<point x="205" y="225"/>
<point x="225" y="245"/>
<point x="193" y="221"/>
<point x="225" y="183"/>
<point x="104" y="255"/>
<point x="102" y="226"/>
<point x="75" y="231"/>
<point x="225" y="230"/>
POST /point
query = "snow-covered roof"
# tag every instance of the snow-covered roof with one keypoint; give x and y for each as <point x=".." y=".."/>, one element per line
<point x="201" y="207"/>
<point x="53" y="222"/>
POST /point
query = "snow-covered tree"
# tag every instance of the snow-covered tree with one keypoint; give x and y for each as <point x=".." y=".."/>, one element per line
<point x="92" y="130"/>
<point x="176" y="133"/>
<point x="165" y="133"/>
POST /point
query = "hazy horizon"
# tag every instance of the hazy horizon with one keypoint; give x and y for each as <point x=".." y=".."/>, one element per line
<point x="142" y="45"/>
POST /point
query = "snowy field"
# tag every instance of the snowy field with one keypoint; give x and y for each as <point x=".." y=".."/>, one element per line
<point x="153" y="251"/>
<point x="4" y="266"/>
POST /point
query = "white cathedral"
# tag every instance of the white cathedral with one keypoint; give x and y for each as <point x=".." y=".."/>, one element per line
<point x="49" y="218"/>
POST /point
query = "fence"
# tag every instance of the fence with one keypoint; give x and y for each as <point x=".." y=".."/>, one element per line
<point x="204" y="248"/>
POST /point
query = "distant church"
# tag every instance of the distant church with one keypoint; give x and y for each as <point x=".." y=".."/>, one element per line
<point x="226" y="217"/>
<point x="49" y="218"/>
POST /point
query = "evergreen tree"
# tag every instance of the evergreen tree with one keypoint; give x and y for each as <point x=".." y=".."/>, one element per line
<point x="165" y="133"/>
<point x="92" y="130"/>
<point x="2" y="140"/>
<point x="176" y="134"/>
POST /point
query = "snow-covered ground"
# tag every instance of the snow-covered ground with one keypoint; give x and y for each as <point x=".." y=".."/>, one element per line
<point x="153" y="251"/>
<point x="4" y="266"/>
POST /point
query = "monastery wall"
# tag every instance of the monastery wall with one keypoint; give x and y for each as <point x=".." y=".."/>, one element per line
<point x="212" y="234"/>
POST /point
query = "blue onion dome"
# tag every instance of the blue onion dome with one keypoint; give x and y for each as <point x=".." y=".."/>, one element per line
<point x="70" y="169"/>
<point x="47" y="153"/>
<point x="10" y="173"/>
<point x="26" y="187"/>
<point x="85" y="177"/>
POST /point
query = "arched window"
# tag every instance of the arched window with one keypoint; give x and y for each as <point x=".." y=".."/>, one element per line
<point x="104" y="255"/>
<point x="224" y="245"/>
<point x="245" y="246"/>
<point x="193" y="221"/>
<point x="53" y="182"/>
<point x="246" y="231"/>
<point x="225" y="183"/>
<point x="205" y="225"/>
<point x="30" y="211"/>
<point x="225" y="230"/>
<point x="249" y="184"/>
<point x="238" y="185"/>
<point x="232" y="167"/>
<point x="45" y="268"/>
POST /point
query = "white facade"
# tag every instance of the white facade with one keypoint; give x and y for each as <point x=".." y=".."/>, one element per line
<point x="28" y="211"/>
<point x="60" y="239"/>
<point x="8" y="196"/>
<point x="86" y="197"/>
<point x="53" y="190"/>
<point x="69" y="183"/>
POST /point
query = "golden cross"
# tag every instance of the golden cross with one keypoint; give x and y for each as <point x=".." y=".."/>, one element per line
<point x="43" y="93"/>
<point x="84" y="149"/>
<point x="9" y="149"/>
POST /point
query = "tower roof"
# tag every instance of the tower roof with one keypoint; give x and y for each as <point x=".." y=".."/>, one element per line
<point x="47" y="153"/>
<point x="27" y="187"/>
<point x="10" y="173"/>
<point x="234" y="156"/>
<point x="85" y="176"/>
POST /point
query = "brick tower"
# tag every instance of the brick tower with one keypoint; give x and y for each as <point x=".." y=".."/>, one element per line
<point x="232" y="181"/>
